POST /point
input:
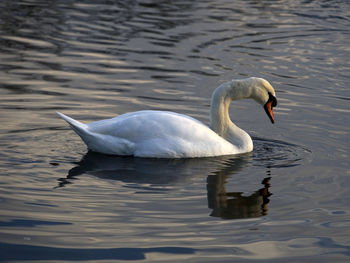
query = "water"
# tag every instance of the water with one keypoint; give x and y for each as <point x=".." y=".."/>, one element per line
<point x="288" y="201"/>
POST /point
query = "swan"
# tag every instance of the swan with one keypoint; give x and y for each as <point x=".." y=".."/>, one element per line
<point x="164" y="134"/>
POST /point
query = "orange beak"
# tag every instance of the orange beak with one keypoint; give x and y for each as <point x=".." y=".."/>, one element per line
<point x="269" y="111"/>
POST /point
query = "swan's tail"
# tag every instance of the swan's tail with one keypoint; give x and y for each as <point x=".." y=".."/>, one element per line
<point x="102" y="143"/>
<point x="80" y="128"/>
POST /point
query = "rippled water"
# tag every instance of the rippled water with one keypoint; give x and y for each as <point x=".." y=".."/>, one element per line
<point x="287" y="201"/>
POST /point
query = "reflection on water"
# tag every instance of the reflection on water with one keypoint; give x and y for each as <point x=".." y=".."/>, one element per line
<point x="137" y="170"/>
<point x="148" y="173"/>
<point x="234" y="205"/>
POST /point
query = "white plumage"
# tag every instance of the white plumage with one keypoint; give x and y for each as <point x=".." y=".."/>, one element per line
<point x="164" y="134"/>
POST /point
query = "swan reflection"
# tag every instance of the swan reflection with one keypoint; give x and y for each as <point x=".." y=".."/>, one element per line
<point x="170" y="172"/>
<point x="231" y="205"/>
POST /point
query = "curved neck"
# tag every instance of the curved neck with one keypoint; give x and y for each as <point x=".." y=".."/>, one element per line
<point x="220" y="121"/>
<point x="220" y="102"/>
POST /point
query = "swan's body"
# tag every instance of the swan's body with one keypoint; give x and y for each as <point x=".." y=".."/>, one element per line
<point x="165" y="134"/>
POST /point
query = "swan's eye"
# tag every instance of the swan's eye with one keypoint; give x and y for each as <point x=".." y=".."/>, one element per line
<point x="273" y="100"/>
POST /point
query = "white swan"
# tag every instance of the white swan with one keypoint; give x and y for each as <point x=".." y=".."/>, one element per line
<point x="164" y="134"/>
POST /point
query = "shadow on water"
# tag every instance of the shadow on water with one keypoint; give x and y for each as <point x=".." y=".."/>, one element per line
<point x="145" y="173"/>
<point x="29" y="253"/>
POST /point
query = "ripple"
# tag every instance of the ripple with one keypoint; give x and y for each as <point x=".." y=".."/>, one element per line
<point x="278" y="154"/>
<point x="29" y="41"/>
<point x="343" y="224"/>
<point x="302" y="247"/>
<point x="97" y="59"/>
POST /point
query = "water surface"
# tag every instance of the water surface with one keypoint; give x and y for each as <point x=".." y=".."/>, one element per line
<point x="287" y="201"/>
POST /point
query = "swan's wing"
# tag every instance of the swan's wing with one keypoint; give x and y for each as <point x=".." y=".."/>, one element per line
<point x="140" y="123"/>
<point x="164" y="134"/>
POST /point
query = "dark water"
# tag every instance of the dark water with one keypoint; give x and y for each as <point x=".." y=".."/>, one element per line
<point x="288" y="201"/>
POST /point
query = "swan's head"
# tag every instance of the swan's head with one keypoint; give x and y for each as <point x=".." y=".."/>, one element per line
<point x="264" y="94"/>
